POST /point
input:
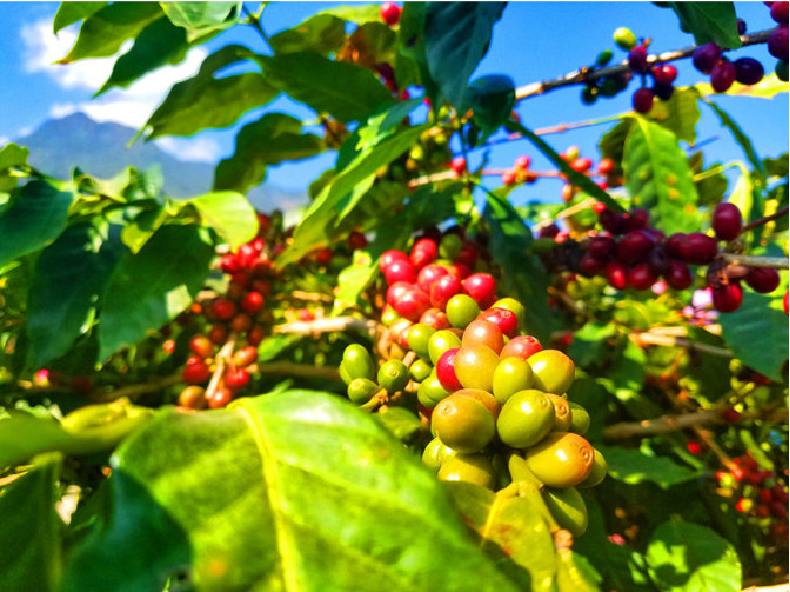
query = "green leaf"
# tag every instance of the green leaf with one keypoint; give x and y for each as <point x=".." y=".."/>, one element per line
<point x="35" y="215"/>
<point x="708" y="22"/>
<point x="150" y="288"/>
<point x="318" y="224"/>
<point x="358" y="14"/>
<point x="774" y="167"/>
<point x="69" y="278"/>
<point x="31" y="533"/>
<point x="632" y="467"/>
<point x="686" y="557"/>
<point x="377" y="127"/>
<point x="400" y="422"/>
<point x="273" y="346"/>
<point x="577" y="179"/>
<point x="523" y="274"/>
<point x="512" y="525"/>
<point x="200" y="18"/>
<point x="760" y="320"/>
<point x="492" y="99"/>
<point x="160" y="43"/>
<point x="136" y="232"/>
<point x="297" y="491"/>
<point x="659" y="179"/>
<point x="591" y="343"/>
<point x="747" y="195"/>
<point x="625" y="378"/>
<point x="679" y="114"/>
<point x="230" y="214"/>
<point x="711" y="183"/>
<point x="575" y="574"/>
<point x="103" y="33"/>
<point x="457" y="35"/>
<point x="346" y="91"/>
<point x="274" y="138"/>
<point x="321" y="33"/>
<point x="71" y="12"/>
<point x="612" y="143"/>
<point x="11" y="156"/>
<point x="207" y="101"/>
<point x="95" y="428"/>
<point x="767" y="88"/>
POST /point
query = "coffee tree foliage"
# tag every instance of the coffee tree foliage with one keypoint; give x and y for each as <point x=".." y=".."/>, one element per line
<point x="296" y="489"/>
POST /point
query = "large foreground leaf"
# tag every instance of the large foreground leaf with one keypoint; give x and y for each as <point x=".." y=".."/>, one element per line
<point x="709" y="22"/>
<point x="230" y="214"/>
<point x="151" y="287"/>
<point x="659" y="178"/>
<point x="35" y="215"/>
<point x="293" y="491"/>
<point x="685" y="557"/>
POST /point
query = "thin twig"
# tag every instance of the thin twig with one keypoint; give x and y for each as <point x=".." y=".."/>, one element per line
<point x="752" y="261"/>
<point x="759" y="222"/>
<point x="647" y="338"/>
<point x="300" y="370"/>
<point x="133" y="391"/>
<point x="585" y="75"/>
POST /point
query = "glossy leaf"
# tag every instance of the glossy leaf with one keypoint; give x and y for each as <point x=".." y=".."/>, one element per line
<point x="612" y="143"/>
<point x="759" y="320"/>
<point x="711" y="182"/>
<point x="200" y="15"/>
<point x="688" y="557"/>
<point x="591" y="343"/>
<point x="625" y="378"/>
<point x="35" y="215"/>
<point x="491" y="98"/>
<point x="456" y="37"/>
<point x="767" y="88"/>
<point x="523" y="274"/>
<point x="323" y="85"/>
<point x="575" y="574"/>
<point x="679" y="114"/>
<point x="659" y="179"/>
<point x="160" y="43"/>
<point x="632" y="466"/>
<point x="11" y="156"/>
<point x="230" y="214"/>
<point x="70" y="277"/>
<point x="71" y="12"/>
<point x="31" y="533"/>
<point x="147" y="290"/>
<point x="207" y="101"/>
<point x="297" y="490"/>
<point x="318" y="224"/>
<point x="358" y="14"/>
<point x="136" y="232"/>
<point x="321" y="33"/>
<point x="103" y="33"/>
<point x="709" y="22"/>
<point x="95" y="428"/>
<point x="274" y="138"/>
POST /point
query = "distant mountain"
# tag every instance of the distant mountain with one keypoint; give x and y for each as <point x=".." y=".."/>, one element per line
<point x="100" y="149"/>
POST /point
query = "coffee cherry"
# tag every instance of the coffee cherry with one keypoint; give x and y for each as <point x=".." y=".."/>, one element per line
<point x="526" y="417"/>
<point x="224" y="309"/>
<point x="219" y="398"/>
<point x="475" y="365"/>
<point x="324" y="256"/>
<point x="522" y="163"/>
<point x="727" y="221"/>
<point x="252" y="302"/>
<point x="641" y="277"/>
<point x="458" y="165"/>
<point x="440" y="342"/>
<point x="678" y="276"/>
<point x="663" y="91"/>
<point x="561" y="459"/>
<point x="436" y="453"/>
<point x="741" y="24"/>
<point x="638" y="219"/>
<point x="786" y="302"/>
<point x="245" y="356"/>
<point x="624" y="38"/>
<point x="428" y="275"/>
<point x="659" y="261"/>
<point x="450" y="246"/>
<point x="728" y="298"/>
<point x="568" y="509"/>
<point x="424" y="252"/>
<point x="777" y="43"/>
<point x="521" y="346"/>
<point x="643" y="100"/>
<point x="393" y="376"/>
<point x="463" y="423"/>
<point x="511" y="376"/>
<point x="462" y="309"/>
<point x="481" y="332"/>
<point x="482" y="288"/>
<point x="196" y="372"/>
<point x="722" y="76"/>
<point x="237" y="378"/>
<point x="361" y="390"/>
<point x="255" y="335"/>
<point x="477" y="469"/>
<point x="400" y="270"/>
<point x="417" y="337"/>
<point x="617" y="275"/>
<point x="580" y="420"/>
<point x="748" y="71"/>
<point x="763" y="280"/>
<point x="444" y="288"/>
<point x="601" y="247"/>
<point x="781" y="70"/>
<point x="581" y="165"/>
<point x="505" y="319"/>
<point x="605" y="166"/>
<point x="201" y="346"/>
<point x="779" y="12"/>
<point x="637" y="60"/>
<point x="390" y="13"/>
<point x="412" y="304"/>
<point x="553" y="371"/>
<point x="358" y="362"/>
<point x="509" y="177"/>
<point x="598" y="471"/>
<point x="634" y="247"/>
<point x="664" y="74"/>
<point x="192" y="397"/>
<point x="706" y="57"/>
<point x="699" y="248"/>
<point x="388" y="257"/>
<point x="551" y="230"/>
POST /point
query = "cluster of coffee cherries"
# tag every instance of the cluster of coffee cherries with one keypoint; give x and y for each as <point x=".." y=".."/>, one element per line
<point x="241" y="314"/>
<point x="758" y="494"/>
<point x="496" y="400"/>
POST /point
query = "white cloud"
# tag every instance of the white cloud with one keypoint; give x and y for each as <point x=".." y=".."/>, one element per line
<point x="201" y="149"/>
<point x="130" y="106"/>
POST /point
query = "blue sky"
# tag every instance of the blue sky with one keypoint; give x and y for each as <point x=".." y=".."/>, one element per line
<point x="533" y="41"/>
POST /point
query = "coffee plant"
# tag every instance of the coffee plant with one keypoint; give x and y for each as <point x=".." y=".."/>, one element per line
<point x="420" y="384"/>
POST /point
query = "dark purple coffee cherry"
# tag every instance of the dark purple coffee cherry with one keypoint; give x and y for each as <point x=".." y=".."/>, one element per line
<point x="722" y="76"/>
<point x="637" y="60"/>
<point x="777" y="43"/>
<point x="763" y="280"/>
<point x="727" y="221"/>
<point x="706" y="57"/>
<point x="663" y="91"/>
<point x="643" y="100"/>
<point x="748" y="71"/>
<point x="658" y="260"/>
<point x="741" y="26"/>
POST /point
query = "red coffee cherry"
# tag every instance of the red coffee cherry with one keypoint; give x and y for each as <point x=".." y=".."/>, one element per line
<point x="728" y="298"/>
<point x="252" y="302"/>
<point x="390" y="13"/>
<point x="678" y="276"/>
<point x="763" y="280"/>
<point x="722" y="76"/>
<point x="617" y="274"/>
<point x="643" y="100"/>
<point x="727" y="221"/>
<point x="665" y="73"/>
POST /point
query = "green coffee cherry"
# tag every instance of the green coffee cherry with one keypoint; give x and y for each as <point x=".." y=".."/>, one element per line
<point x="440" y="342"/>
<point x="436" y="453"/>
<point x="553" y="371"/>
<point x="462" y="310"/>
<point x="450" y="246"/>
<point x="567" y="508"/>
<point x="525" y="418"/>
<point x="562" y="413"/>
<point x="598" y="471"/>
<point x="358" y="362"/>
<point x="361" y="390"/>
<point x="420" y="370"/>
<point x="418" y="338"/>
<point x="561" y="459"/>
<point x="624" y="38"/>
<point x="393" y="376"/>
<point x="580" y="420"/>
<point x="475" y="365"/>
<point x="513" y="306"/>
<point x="463" y="424"/>
<point x="511" y="376"/>
<point x="604" y="57"/>
<point x="431" y="391"/>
